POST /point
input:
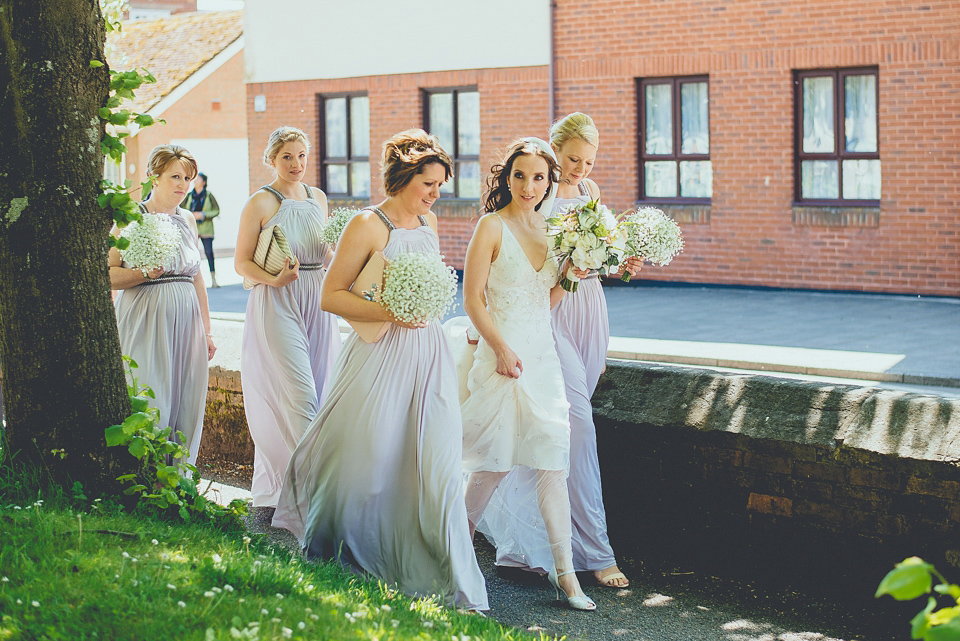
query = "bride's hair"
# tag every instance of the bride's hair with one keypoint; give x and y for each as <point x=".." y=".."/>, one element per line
<point x="280" y="137"/>
<point x="498" y="189"/>
<point x="571" y="126"/>
<point x="406" y="154"/>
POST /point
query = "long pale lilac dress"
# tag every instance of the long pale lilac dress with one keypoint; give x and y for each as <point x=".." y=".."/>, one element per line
<point x="376" y="480"/>
<point x="161" y="328"/>
<point x="288" y="350"/>
<point x="582" y="333"/>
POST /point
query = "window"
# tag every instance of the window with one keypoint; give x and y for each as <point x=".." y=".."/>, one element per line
<point x="674" y="145"/>
<point x="345" y="139"/>
<point x="453" y="116"/>
<point x="837" y="155"/>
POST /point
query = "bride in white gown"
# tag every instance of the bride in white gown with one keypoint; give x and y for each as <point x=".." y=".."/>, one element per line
<point x="515" y="411"/>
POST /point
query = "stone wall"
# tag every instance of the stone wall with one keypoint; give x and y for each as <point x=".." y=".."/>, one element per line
<point x="704" y="453"/>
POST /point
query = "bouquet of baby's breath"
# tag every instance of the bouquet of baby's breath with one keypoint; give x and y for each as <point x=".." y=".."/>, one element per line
<point x="154" y="242"/>
<point x="653" y="236"/>
<point x="590" y="236"/>
<point x="418" y="287"/>
<point x="335" y="224"/>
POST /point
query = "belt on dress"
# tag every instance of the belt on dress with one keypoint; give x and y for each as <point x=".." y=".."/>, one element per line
<point x="159" y="280"/>
<point x="593" y="274"/>
<point x="311" y="267"/>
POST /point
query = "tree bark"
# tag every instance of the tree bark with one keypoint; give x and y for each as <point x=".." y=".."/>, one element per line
<point x="59" y="349"/>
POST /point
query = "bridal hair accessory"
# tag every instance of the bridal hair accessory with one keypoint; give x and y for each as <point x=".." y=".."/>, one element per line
<point x="546" y="206"/>
<point x="271" y="253"/>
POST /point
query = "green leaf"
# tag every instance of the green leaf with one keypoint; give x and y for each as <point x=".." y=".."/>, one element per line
<point x="104" y="112"/>
<point x="188" y="486"/>
<point x="96" y="64"/>
<point x="115" y="435"/>
<point x="908" y="580"/>
<point x="138" y="404"/>
<point x="122" y="243"/>
<point x="144" y="120"/>
<point x="138" y="447"/>
<point x="921" y="623"/>
<point x="947" y="632"/>
<point x="126" y="477"/>
<point x="137" y="421"/>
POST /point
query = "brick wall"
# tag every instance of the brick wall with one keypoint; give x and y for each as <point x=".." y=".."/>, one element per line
<point x="750" y="234"/>
<point x="215" y="108"/>
<point x="749" y="50"/>
<point x="513" y="102"/>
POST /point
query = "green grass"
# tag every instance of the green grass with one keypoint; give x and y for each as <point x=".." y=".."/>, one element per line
<point x="71" y="568"/>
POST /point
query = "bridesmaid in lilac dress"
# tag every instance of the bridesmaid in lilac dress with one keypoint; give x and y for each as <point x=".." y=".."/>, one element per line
<point x="289" y="342"/>
<point x="162" y="313"/>
<point x="376" y="480"/>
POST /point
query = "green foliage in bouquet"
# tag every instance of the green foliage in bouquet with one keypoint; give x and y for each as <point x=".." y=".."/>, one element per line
<point x="162" y="482"/>
<point x="913" y="578"/>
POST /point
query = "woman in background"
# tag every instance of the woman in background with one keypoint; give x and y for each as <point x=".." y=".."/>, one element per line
<point x="204" y="206"/>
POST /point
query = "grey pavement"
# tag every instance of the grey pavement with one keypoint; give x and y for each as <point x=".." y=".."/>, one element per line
<point x="900" y="341"/>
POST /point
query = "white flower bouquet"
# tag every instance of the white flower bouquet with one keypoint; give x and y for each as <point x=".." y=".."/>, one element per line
<point x="418" y="287"/>
<point x="653" y="236"/>
<point x="335" y="224"/>
<point x="590" y="236"/>
<point x="153" y="242"/>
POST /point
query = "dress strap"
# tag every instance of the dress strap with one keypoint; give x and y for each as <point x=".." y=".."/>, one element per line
<point x="383" y="216"/>
<point x="273" y="191"/>
<point x="423" y="223"/>
<point x="583" y="188"/>
<point x="309" y="193"/>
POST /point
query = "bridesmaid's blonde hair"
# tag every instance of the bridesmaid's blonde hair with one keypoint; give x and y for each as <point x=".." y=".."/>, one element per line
<point x="163" y="155"/>
<point x="575" y="125"/>
<point x="280" y="137"/>
<point x="406" y="154"/>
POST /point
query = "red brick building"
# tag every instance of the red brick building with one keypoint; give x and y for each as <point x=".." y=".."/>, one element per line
<point x="803" y="144"/>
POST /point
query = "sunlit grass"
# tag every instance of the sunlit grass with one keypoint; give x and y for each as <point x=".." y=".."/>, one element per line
<point x="77" y="569"/>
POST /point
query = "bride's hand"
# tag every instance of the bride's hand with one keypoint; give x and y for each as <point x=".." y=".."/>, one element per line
<point x="405" y="325"/>
<point x="508" y="364"/>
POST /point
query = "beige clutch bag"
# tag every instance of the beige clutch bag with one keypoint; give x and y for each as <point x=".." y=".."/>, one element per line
<point x="368" y="286"/>
<point x="271" y="252"/>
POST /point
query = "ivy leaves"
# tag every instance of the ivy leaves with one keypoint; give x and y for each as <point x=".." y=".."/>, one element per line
<point x="913" y="578"/>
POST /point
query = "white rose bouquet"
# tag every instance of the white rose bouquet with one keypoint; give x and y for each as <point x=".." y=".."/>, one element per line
<point x="590" y="236"/>
<point x="653" y="236"/>
<point x="335" y="224"/>
<point x="418" y="287"/>
<point x="151" y="243"/>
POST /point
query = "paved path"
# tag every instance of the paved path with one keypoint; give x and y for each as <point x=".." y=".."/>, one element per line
<point x="907" y="342"/>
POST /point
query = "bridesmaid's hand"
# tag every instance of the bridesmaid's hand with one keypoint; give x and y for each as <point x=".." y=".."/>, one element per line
<point x="288" y="274"/>
<point x="211" y="348"/>
<point x="633" y="266"/>
<point x="508" y="364"/>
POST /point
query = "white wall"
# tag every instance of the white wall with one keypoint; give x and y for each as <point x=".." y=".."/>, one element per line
<point x="224" y="161"/>
<point x="309" y="39"/>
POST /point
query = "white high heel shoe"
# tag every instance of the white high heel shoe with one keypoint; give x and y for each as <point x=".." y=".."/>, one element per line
<point x="578" y="601"/>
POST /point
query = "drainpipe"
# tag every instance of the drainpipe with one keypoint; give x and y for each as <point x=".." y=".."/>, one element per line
<point x="550" y="70"/>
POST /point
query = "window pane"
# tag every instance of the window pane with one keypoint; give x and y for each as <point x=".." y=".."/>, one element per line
<point x="468" y="124"/>
<point x="360" y="178"/>
<point x="860" y="113"/>
<point x="468" y="179"/>
<point x="447" y="187"/>
<point x="336" y="127"/>
<point x="694" y="127"/>
<point x="659" y="116"/>
<point x="360" y="127"/>
<point x="696" y="179"/>
<point x="818" y="134"/>
<point x="336" y="179"/>
<point x="441" y="120"/>
<point x="818" y="179"/>
<point x="861" y="179"/>
<point x="660" y="179"/>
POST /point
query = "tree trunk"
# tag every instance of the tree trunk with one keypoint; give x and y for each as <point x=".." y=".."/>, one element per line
<point x="59" y="349"/>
